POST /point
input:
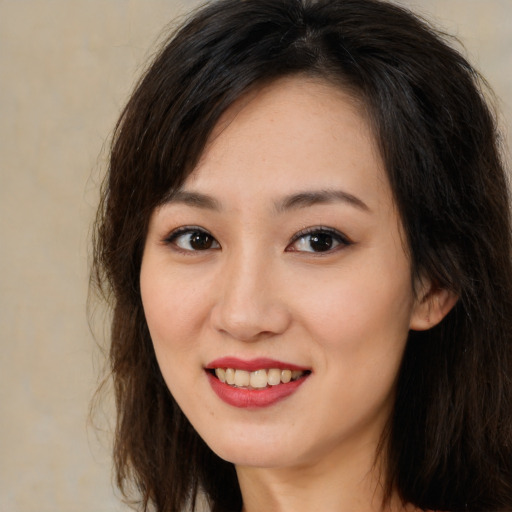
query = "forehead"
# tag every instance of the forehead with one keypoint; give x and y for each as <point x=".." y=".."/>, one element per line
<point x="297" y="133"/>
<point x="276" y="96"/>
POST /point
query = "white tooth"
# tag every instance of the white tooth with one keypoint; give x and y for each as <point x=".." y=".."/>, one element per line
<point x="259" y="379"/>
<point x="242" y="378"/>
<point x="286" y="376"/>
<point x="221" y="374"/>
<point x="296" y="374"/>
<point x="274" y="377"/>
<point x="230" y="376"/>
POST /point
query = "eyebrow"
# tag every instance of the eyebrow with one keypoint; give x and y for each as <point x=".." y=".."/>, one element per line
<point x="289" y="202"/>
<point x="195" y="199"/>
<point x="310" y="198"/>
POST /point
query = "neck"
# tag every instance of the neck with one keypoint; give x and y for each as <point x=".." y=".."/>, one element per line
<point x="336" y="484"/>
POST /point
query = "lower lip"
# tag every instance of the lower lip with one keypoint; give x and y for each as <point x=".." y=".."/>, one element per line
<point x="253" y="398"/>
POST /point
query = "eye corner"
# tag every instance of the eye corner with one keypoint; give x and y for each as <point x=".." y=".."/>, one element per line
<point x="323" y="240"/>
<point x="191" y="239"/>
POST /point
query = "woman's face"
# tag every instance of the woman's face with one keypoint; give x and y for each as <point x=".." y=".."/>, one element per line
<point x="282" y="251"/>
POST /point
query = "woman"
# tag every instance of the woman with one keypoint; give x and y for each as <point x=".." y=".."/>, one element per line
<point x="305" y="234"/>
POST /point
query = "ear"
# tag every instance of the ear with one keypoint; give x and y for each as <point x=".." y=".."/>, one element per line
<point x="431" y="306"/>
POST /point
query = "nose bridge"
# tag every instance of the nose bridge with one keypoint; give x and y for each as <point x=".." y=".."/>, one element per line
<point x="250" y="306"/>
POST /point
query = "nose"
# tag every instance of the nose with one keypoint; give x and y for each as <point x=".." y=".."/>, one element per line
<point x="250" y="305"/>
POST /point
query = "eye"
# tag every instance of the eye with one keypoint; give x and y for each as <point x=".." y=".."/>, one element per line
<point x="192" y="239"/>
<point x="318" y="240"/>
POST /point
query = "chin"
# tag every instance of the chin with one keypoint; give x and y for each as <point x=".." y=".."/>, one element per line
<point x="249" y="450"/>
<point x="254" y="458"/>
<point x="264" y="450"/>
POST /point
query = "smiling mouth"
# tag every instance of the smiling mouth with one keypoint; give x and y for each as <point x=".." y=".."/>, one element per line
<point x="258" y="379"/>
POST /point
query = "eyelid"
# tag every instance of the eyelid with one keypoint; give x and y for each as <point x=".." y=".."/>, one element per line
<point x="175" y="233"/>
<point x="343" y="239"/>
<point x="340" y="237"/>
<point x="170" y="238"/>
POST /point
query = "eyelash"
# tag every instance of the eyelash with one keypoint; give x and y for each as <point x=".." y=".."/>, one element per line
<point x="339" y="238"/>
<point x="189" y="230"/>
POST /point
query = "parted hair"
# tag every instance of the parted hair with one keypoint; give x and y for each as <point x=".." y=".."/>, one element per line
<point x="447" y="445"/>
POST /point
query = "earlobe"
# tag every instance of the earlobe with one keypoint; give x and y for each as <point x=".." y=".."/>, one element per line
<point x="431" y="307"/>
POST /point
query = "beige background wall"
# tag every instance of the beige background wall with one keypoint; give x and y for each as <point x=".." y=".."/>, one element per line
<point x="66" y="67"/>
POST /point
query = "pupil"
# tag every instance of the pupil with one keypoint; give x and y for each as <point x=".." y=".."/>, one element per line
<point x="321" y="242"/>
<point x="200" y="241"/>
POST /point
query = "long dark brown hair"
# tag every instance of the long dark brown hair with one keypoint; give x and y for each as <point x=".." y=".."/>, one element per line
<point x="448" y="441"/>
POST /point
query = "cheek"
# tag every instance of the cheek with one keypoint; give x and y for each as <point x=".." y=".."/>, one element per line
<point x="172" y="306"/>
<point x="361" y="315"/>
<point x="360" y="328"/>
<point x="173" y="311"/>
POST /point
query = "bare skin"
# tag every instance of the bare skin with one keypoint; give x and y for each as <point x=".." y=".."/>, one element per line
<point x="285" y="243"/>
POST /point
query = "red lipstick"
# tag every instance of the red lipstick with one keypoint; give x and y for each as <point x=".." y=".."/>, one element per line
<point x="251" y="365"/>
<point x="253" y="398"/>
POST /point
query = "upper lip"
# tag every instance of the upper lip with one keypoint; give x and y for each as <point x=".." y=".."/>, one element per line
<point x="252" y="365"/>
